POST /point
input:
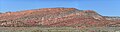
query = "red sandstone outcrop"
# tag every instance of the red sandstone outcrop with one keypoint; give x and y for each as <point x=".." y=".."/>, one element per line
<point x="59" y="17"/>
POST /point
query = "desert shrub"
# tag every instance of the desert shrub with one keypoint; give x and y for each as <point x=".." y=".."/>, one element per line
<point x="36" y="31"/>
<point x="104" y="31"/>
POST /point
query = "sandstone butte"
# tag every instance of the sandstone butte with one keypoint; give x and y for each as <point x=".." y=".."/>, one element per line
<point x="57" y="17"/>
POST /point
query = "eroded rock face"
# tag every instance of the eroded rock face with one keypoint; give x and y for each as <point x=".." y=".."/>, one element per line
<point x="59" y="17"/>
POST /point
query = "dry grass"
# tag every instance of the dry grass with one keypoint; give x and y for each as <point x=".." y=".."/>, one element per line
<point x="58" y="29"/>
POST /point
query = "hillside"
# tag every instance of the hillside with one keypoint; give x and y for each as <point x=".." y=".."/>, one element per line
<point x="55" y="17"/>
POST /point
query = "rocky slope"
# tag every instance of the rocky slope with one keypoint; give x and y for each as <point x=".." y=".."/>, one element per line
<point x="55" y="17"/>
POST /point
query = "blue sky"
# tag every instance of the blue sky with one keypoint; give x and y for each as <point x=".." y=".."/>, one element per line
<point x="103" y="7"/>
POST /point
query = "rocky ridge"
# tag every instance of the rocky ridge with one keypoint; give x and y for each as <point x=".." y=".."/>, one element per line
<point x="55" y="17"/>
